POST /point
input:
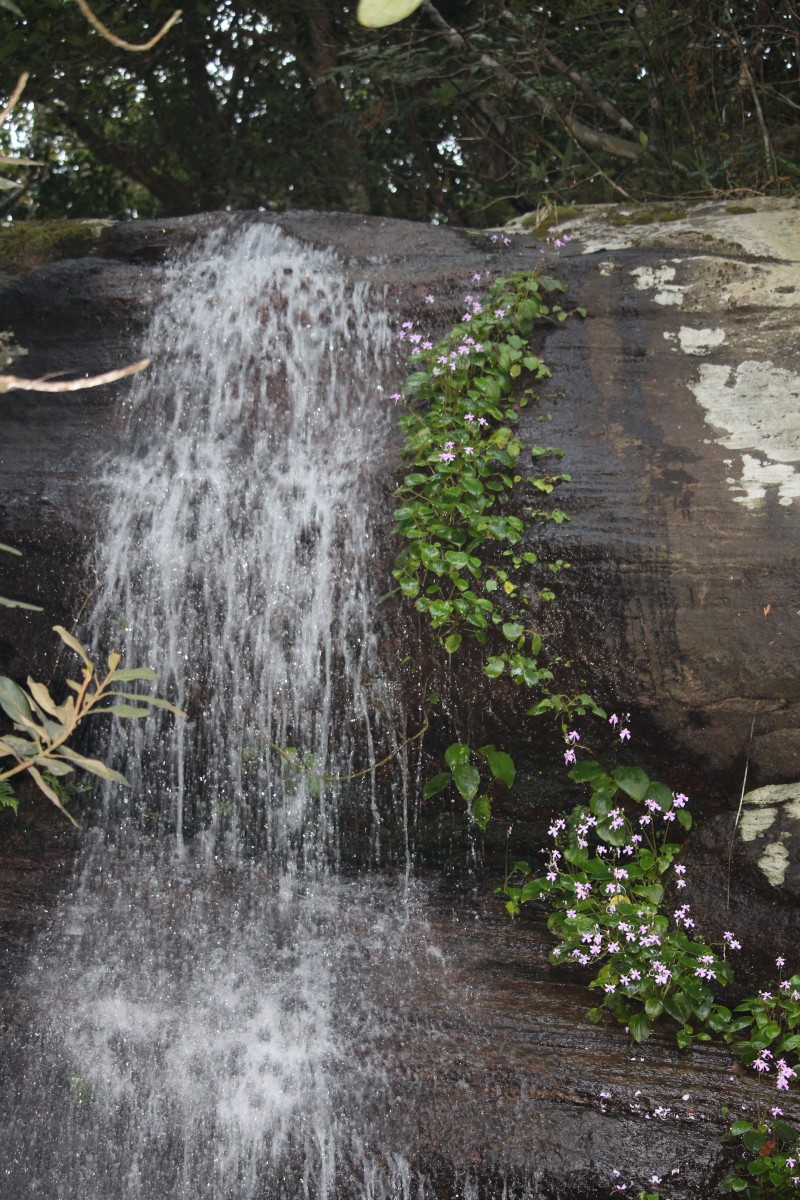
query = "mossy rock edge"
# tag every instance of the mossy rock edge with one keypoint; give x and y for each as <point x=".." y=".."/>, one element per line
<point x="27" y="244"/>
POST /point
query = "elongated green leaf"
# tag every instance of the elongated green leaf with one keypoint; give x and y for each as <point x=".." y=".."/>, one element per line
<point x="10" y="549"/>
<point x="42" y="697"/>
<point x="467" y="779"/>
<point x="481" y="810"/>
<point x="18" y="746"/>
<point x="14" y="702"/>
<point x="131" y="673"/>
<point x="436" y="785"/>
<point x="6" y="603"/>
<point x="72" y="642"/>
<point x="128" y="711"/>
<point x="55" y="766"/>
<point x="93" y="765"/>
<point x="500" y="764"/>
<point x="155" y="701"/>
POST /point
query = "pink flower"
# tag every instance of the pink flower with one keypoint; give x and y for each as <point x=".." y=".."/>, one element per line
<point x="569" y="756"/>
<point x="624" y="735"/>
<point x="447" y="457"/>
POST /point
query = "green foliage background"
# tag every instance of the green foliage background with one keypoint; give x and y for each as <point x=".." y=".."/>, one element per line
<point x="466" y="112"/>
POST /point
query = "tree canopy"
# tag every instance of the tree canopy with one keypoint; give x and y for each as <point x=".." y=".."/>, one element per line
<point x="466" y="111"/>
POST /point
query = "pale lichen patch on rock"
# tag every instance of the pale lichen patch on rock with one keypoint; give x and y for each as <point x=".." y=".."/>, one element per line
<point x="755" y="407"/>
<point x="700" y="341"/>
<point x="771" y="819"/>
<point x="774" y="862"/>
<point x="659" y="279"/>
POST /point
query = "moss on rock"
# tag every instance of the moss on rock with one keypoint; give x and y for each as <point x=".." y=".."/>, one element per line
<point x="26" y="244"/>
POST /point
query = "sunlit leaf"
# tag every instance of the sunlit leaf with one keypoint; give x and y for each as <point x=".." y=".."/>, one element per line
<point x="42" y="697"/>
<point x="93" y="765"/>
<point x="375" y="14"/>
<point x="14" y="702"/>
<point x="129" y="711"/>
<point x="72" y="642"/>
<point x="6" y="603"/>
<point x="154" y="701"/>
<point x="18" y="746"/>
<point x="131" y="673"/>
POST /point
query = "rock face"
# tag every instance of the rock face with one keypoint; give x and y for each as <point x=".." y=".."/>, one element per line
<point x="676" y="401"/>
<point x="679" y="410"/>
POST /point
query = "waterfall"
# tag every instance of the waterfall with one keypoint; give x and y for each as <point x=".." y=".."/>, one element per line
<point x="239" y="552"/>
<point x="207" y="1010"/>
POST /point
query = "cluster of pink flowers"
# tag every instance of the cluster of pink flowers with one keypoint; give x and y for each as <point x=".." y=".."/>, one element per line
<point x="682" y="918"/>
<point x="417" y="341"/>
<point x="783" y="1071"/>
<point x="624" y="733"/>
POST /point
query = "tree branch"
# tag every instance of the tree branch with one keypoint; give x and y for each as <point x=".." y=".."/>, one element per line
<point x="585" y="135"/>
<point x="134" y="47"/>
<point x="10" y="382"/>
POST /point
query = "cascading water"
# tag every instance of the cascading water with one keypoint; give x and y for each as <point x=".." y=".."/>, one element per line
<point x="206" y="1009"/>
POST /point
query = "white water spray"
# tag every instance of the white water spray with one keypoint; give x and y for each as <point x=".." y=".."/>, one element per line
<point x="208" y="1008"/>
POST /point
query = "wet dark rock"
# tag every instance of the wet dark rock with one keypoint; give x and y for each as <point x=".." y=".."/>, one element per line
<point x="681" y="605"/>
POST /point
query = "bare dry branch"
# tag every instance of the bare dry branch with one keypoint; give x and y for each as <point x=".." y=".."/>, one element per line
<point x="15" y="95"/>
<point x="10" y="382"/>
<point x="584" y="135"/>
<point x="136" y="48"/>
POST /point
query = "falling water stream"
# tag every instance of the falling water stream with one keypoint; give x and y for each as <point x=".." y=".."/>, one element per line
<point x="206" y="1015"/>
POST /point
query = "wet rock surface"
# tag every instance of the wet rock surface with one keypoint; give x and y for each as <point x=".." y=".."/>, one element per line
<point x="524" y="1089"/>
<point x="673" y="401"/>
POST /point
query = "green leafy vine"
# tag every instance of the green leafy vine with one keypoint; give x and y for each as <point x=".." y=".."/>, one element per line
<point x="461" y="562"/>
